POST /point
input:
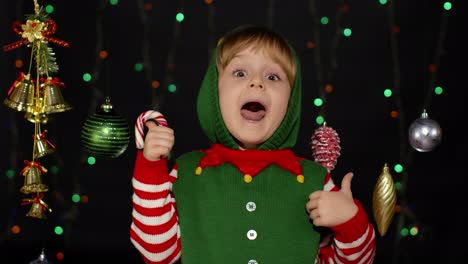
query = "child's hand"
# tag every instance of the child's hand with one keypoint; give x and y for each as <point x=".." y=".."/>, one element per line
<point x="158" y="141"/>
<point x="330" y="209"/>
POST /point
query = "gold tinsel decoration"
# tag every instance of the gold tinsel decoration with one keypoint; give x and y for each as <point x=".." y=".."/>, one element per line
<point x="384" y="200"/>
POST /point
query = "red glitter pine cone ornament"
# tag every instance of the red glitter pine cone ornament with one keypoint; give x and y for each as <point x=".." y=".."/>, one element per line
<point x="325" y="145"/>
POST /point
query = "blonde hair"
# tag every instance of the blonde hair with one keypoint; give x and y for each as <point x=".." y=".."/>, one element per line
<point x="259" y="39"/>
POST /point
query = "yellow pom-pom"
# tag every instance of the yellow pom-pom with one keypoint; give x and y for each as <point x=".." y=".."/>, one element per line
<point x="247" y="178"/>
<point x="198" y="171"/>
<point x="300" y="178"/>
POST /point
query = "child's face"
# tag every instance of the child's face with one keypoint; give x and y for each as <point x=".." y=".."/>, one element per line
<point x="254" y="93"/>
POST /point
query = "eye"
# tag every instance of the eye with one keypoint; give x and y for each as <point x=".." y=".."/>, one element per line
<point x="239" y="73"/>
<point x="273" y="77"/>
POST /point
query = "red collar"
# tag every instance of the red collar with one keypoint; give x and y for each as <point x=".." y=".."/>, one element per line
<point x="251" y="162"/>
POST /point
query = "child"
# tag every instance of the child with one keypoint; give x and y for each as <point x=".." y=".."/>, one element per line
<point x="247" y="199"/>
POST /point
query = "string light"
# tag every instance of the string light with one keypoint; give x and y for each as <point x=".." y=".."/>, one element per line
<point x="319" y="120"/>
<point x="398" y="168"/>
<point x="324" y="20"/>
<point x="87" y="77"/>
<point x="91" y="160"/>
<point x="138" y="67"/>
<point x="59" y="256"/>
<point x="58" y="230"/>
<point x="325" y="76"/>
<point x="406" y="152"/>
<point x="347" y="32"/>
<point x="387" y="92"/>
<point x="180" y="17"/>
<point x="19" y="63"/>
<point x="76" y="198"/>
<point x="49" y="9"/>
<point x="318" y="102"/>
<point x="172" y="88"/>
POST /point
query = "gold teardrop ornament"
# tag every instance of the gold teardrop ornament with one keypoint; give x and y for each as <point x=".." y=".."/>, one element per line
<point x="384" y="200"/>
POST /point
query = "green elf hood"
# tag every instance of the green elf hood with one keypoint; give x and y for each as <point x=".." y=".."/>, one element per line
<point x="211" y="121"/>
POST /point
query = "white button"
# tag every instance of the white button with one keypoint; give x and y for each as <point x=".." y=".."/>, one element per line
<point x="251" y="206"/>
<point x="252" y="261"/>
<point x="252" y="234"/>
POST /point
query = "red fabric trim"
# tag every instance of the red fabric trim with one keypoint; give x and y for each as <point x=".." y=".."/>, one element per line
<point x="251" y="161"/>
<point x="150" y="172"/>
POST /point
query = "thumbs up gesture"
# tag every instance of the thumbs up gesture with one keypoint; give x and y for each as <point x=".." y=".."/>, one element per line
<point x="333" y="208"/>
<point x="159" y="141"/>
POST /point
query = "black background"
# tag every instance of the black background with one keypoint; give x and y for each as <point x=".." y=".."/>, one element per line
<point x="356" y="108"/>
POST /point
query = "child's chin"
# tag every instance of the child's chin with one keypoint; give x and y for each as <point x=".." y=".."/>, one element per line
<point x="250" y="143"/>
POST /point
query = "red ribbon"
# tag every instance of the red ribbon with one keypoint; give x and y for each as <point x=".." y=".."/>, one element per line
<point x="55" y="81"/>
<point x="19" y="79"/>
<point x="32" y="164"/>
<point x="16" y="26"/>
<point x="43" y="137"/>
<point x="37" y="199"/>
<point x="51" y="27"/>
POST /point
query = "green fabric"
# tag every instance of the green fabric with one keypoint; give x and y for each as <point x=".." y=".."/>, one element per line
<point x="214" y="220"/>
<point x="209" y="113"/>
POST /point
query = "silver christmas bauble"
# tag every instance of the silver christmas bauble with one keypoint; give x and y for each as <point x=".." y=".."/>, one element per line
<point x="424" y="133"/>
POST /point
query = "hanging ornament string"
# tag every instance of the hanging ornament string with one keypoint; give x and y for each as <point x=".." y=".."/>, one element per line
<point x="439" y="50"/>
<point x="425" y="133"/>
<point x="171" y="65"/>
<point x="98" y="94"/>
<point x="416" y="141"/>
<point x="325" y="142"/>
<point x="169" y="80"/>
<point x="324" y="75"/>
<point x="145" y="19"/>
<point x="403" y="156"/>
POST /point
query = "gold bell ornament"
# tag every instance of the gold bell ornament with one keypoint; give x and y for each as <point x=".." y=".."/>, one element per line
<point x="21" y="94"/>
<point x="42" y="146"/>
<point x="53" y="101"/>
<point x="33" y="178"/>
<point x="38" y="207"/>
<point x="384" y="200"/>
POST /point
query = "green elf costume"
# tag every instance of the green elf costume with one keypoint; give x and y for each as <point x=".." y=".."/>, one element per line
<point x="225" y="205"/>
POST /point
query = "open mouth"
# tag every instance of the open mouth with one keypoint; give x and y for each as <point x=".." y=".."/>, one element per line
<point x="253" y="111"/>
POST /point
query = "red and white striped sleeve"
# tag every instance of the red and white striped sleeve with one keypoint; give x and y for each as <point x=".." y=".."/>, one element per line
<point x="350" y="242"/>
<point x="154" y="230"/>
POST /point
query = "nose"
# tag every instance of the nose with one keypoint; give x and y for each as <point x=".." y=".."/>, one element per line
<point x="252" y="85"/>
<point x="256" y="83"/>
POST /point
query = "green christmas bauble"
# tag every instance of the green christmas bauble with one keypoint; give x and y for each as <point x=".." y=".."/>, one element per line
<point x="106" y="133"/>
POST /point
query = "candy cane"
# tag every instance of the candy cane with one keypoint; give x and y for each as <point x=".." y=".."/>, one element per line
<point x="140" y="125"/>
